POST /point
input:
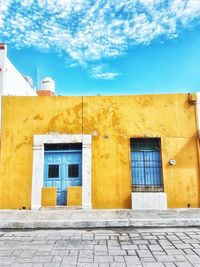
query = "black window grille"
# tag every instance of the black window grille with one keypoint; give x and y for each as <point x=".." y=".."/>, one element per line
<point x="146" y="165"/>
<point x="61" y="146"/>
<point x="73" y="170"/>
<point x="53" y="171"/>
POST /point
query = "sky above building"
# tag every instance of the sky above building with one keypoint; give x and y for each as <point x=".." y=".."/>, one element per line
<point x="105" y="47"/>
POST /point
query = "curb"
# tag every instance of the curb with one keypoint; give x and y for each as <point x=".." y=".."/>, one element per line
<point x="78" y="224"/>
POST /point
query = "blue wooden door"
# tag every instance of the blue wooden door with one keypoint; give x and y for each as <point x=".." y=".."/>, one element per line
<point x="61" y="170"/>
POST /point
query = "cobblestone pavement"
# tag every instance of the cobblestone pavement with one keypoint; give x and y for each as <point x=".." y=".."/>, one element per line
<point x="101" y="248"/>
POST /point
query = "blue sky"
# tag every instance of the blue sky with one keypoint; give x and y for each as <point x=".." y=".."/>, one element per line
<point x="105" y="47"/>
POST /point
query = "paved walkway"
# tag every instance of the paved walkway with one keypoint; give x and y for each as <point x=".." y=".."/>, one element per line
<point x="77" y="218"/>
<point x="101" y="248"/>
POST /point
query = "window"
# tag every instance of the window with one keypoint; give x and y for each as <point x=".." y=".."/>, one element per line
<point x="146" y="165"/>
<point x="65" y="146"/>
<point x="73" y="170"/>
<point x="53" y="171"/>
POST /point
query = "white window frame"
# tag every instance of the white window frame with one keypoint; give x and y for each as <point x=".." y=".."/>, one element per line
<point x="38" y="165"/>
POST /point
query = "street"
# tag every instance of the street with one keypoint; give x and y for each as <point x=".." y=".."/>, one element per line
<point x="101" y="247"/>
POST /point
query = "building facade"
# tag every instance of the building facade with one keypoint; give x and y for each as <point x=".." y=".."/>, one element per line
<point x="135" y="151"/>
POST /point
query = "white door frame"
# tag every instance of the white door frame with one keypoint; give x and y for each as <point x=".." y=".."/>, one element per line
<point x="38" y="165"/>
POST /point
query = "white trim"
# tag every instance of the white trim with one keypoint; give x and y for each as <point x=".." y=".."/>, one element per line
<point x="38" y="165"/>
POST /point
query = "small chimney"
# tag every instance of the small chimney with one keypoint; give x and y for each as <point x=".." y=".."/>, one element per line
<point x="47" y="87"/>
<point x="2" y="46"/>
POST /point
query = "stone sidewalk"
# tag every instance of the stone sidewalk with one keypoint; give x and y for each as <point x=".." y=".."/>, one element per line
<point x="78" y="218"/>
<point x="116" y="247"/>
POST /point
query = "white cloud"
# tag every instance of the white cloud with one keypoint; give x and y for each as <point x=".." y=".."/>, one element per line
<point x="101" y="72"/>
<point x="4" y="5"/>
<point x="88" y="31"/>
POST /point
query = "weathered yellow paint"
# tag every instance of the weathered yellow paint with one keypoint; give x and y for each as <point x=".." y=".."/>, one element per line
<point x="48" y="196"/>
<point x="112" y="120"/>
<point x="74" y="196"/>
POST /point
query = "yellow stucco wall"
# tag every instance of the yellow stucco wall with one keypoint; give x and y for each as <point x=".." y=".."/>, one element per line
<point x="48" y="196"/>
<point x="112" y="120"/>
<point x="74" y="196"/>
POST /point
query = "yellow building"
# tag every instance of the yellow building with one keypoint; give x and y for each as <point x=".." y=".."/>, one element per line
<point x="135" y="151"/>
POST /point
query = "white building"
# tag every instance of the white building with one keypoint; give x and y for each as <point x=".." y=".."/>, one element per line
<point x="11" y="80"/>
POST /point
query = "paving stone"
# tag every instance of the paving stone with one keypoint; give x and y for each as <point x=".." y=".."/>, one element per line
<point x="118" y="258"/>
<point x="73" y="252"/>
<point x="57" y="259"/>
<point x="100" y="259"/>
<point x="86" y="264"/>
<point x="164" y="242"/>
<point x="42" y="253"/>
<point x="85" y="259"/>
<point x="182" y="264"/>
<point x="115" y="264"/>
<point x="101" y="253"/>
<point x="6" y="252"/>
<point x="89" y="247"/>
<point x="180" y="257"/>
<point x="197" y="251"/>
<point x="189" y="251"/>
<point x="191" y="241"/>
<point x="84" y="253"/>
<point x="143" y="247"/>
<point x="100" y="248"/>
<point x="155" y="264"/>
<point x="131" y="252"/>
<point x="101" y="237"/>
<point x="102" y="242"/>
<point x="7" y="259"/>
<point x="57" y="252"/>
<point x="140" y="242"/>
<point x="144" y="253"/>
<point x="155" y="248"/>
<point x="116" y="252"/>
<point x="16" y="252"/>
<point x="147" y="259"/>
<point x="196" y="245"/>
<point x="15" y="264"/>
<point x="41" y="259"/>
<point x="52" y="264"/>
<point x="103" y="264"/>
<point x="87" y="236"/>
<point x="174" y="251"/>
<point x="129" y="247"/>
<point x="183" y="246"/>
<point x="70" y="259"/>
<point x="46" y="248"/>
<point x="193" y="258"/>
<point x="164" y="258"/>
<point x="132" y="259"/>
<point x="153" y="242"/>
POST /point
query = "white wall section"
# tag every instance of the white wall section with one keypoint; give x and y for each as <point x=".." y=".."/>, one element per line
<point x="146" y="201"/>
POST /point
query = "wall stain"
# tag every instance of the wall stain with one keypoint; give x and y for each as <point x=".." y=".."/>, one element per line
<point x="38" y="117"/>
<point x="27" y="141"/>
